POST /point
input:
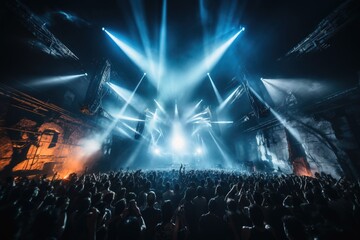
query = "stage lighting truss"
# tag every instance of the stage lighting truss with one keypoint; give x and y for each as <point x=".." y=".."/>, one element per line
<point x="97" y="90"/>
<point x="38" y="28"/>
<point x="338" y="19"/>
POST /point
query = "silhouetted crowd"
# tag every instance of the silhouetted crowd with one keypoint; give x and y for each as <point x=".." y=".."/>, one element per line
<point x="180" y="204"/>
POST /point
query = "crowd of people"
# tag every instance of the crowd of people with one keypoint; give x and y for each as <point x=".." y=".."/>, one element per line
<point x="180" y="204"/>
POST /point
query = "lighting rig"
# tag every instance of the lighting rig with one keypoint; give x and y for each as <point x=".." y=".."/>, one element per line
<point x="329" y="26"/>
<point x="38" y="28"/>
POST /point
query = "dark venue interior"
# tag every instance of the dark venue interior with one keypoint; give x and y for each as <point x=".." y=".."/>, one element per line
<point x="169" y="119"/>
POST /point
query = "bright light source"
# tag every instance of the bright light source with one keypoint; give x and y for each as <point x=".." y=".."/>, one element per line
<point x="86" y="74"/>
<point x="178" y="143"/>
<point x="198" y="151"/>
<point x="216" y="91"/>
<point x="55" y="80"/>
<point x="89" y="146"/>
<point x="261" y="79"/>
<point x="243" y="29"/>
<point x="208" y="74"/>
<point x="215" y="56"/>
<point x="144" y="73"/>
<point x="103" y="28"/>
<point x="131" y="98"/>
<point x="195" y="75"/>
<point x="223" y="122"/>
<point x="135" y="55"/>
<point x="156" y="151"/>
<point x="227" y="100"/>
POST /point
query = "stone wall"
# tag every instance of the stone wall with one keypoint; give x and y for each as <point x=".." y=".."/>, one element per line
<point x="317" y="137"/>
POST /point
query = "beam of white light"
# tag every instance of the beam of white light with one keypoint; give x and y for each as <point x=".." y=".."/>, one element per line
<point x="176" y="111"/>
<point x="139" y="15"/>
<point x="204" y="21"/>
<point x="122" y="110"/>
<point x="214" y="57"/>
<point x="196" y="73"/>
<point x="134" y="55"/>
<point x="120" y="91"/>
<point x="203" y="145"/>
<point x="194" y="117"/>
<point x="304" y="86"/>
<point x="55" y="80"/>
<point x="162" y="49"/>
<point x="178" y="142"/>
<point x="281" y="119"/>
<point x="130" y="128"/>
<point x="133" y="130"/>
<point x="223" y="122"/>
<point x="204" y="123"/>
<point x="160" y="134"/>
<point x="222" y="152"/>
<point x="152" y="128"/>
<point x="160" y="107"/>
<point x="132" y="95"/>
<point x="134" y="154"/>
<point x="196" y="130"/>
<point x="123" y="132"/>
<point x="136" y="103"/>
<point x="218" y="96"/>
<point x="200" y="119"/>
<point x="193" y="110"/>
<point x="130" y="119"/>
<point x="225" y="21"/>
<point x="238" y="94"/>
<point x="275" y="93"/>
<point x="227" y="100"/>
<point x="151" y="113"/>
<point x="218" y="146"/>
<point x="198" y="104"/>
<point x="258" y="96"/>
<point x="201" y="126"/>
<point x="153" y="119"/>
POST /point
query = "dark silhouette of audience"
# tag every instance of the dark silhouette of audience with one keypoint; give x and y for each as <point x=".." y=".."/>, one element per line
<point x="179" y="205"/>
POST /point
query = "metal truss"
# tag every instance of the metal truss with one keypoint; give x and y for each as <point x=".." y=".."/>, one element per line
<point x="328" y="27"/>
<point x="38" y="28"/>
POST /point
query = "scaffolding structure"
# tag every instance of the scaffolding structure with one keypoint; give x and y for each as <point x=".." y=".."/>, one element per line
<point x="328" y="27"/>
<point x="97" y="90"/>
<point x="38" y="28"/>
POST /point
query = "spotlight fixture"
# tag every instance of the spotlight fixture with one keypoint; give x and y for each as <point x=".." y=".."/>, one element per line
<point x="103" y="28"/>
<point x="86" y="74"/>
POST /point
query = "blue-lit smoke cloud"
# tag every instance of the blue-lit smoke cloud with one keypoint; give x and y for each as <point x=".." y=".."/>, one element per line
<point x="66" y="16"/>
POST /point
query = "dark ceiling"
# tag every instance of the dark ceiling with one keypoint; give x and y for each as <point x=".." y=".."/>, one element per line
<point x="272" y="29"/>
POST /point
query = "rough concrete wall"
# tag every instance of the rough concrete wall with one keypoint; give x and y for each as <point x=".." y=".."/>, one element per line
<point x="277" y="148"/>
<point x="246" y="148"/>
<point x="67" y="155"/>
<point x="6" y="150"/>
<point x="319" y="153"/>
